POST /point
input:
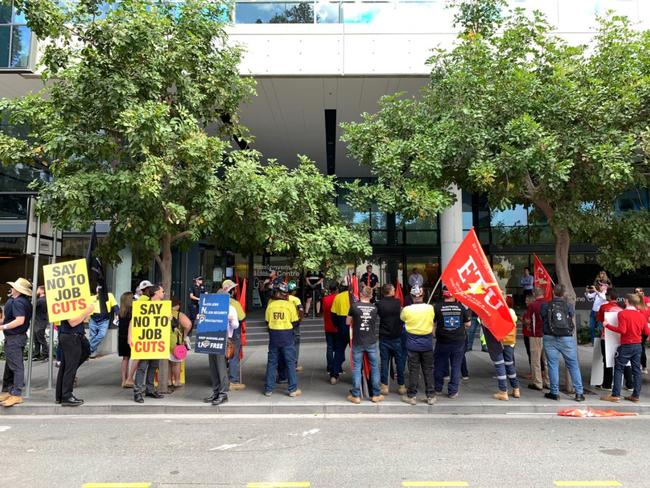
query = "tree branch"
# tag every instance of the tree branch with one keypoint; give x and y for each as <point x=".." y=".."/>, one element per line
<point x="181" y="235"/>
<point x="158" y="261"/>
<point x="531" y="189"/>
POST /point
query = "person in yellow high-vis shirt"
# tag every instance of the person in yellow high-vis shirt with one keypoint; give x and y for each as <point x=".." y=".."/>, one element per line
<point x="281" y="317"/>
<point x="340" y="310"/>
<point x="100" y="320"/>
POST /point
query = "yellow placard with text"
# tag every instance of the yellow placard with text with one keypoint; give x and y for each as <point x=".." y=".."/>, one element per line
<point x="151" y="329"/>
<point x="66" y="289"/>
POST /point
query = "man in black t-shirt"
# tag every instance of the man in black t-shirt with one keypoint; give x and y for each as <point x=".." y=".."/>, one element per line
<point x="313" y="290"/>
<point x="195" y="294"/>
<point x="362" y="318"/>
<point x="451" y="319"/>
<point x="18" y="313"/>
<point x="390" y="338"/>
<point x="371" y="280"/>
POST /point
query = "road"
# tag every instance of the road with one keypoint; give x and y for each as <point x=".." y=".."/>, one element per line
<point x="335" y="451"/>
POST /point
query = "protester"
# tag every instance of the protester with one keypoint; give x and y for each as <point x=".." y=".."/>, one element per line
<point x="180" y="329"/>
<point x="293" y="290"/>
<point x="266" y="288"/>
<point x="328" y="325"/>
<point x="371" y="280"/>
<point x="195" y="292"/>
<point x="611" y="306"/>
<point x="538" y="369"/>
<point x="527" y="283"/>
<point x="234" y="371"/>
<point x="390" y="338"/>
<point x="559" y="341"/>
<point x="452" y="319"/>
<point x="40" y="326"/>
<point x="100" y="319"/>
<point x="596" y="293"/>
<point x="314" y="285"/>
<point x="281" y="317"/>
<point x="416" y="279"/>
<point x="645" y="308"/>
<point x="146" y="370"/>
<point x="602" y="279"/>
<point x="502" y="354"/>
<point x="17" y="314"/>
<point x="123" y="347"/>
<point x="75" y="350"/>
<point x="527" y="330"/>
<point x="632" y="323"/>
<point x="340" y="309"/>
<point x="362" y="319"/>
<point x="140" y="290"/>
<point x="418" y="320"/>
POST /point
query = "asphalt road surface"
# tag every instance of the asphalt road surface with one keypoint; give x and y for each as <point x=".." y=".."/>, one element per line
<point x="333" y="451"/>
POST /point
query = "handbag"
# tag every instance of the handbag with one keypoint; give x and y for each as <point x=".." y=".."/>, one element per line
<point x="230" y="349"/>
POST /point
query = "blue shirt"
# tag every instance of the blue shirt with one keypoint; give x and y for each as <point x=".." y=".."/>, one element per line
<point x="18" y="307"/>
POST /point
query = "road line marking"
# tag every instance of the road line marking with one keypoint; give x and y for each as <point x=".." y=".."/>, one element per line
<point x="117" y="485"/>
<point x="434" y="483"/>
<point x="279" y="484"/>
<point x="588" y="483"/>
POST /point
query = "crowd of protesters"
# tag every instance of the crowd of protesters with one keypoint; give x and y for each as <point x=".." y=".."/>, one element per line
<point x="406" y="341"/>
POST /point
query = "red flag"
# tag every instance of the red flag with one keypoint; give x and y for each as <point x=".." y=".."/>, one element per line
<point x="398" y="293"/>
<point x="355" y="286"/>
<point x="470" y="279"/>
<point x="242" y="302"/>
<point x="543" y="280"/>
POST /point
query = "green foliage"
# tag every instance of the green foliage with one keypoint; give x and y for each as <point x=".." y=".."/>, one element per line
<point x="271" y="208"/>
<point x="525" y="118"/>
<point x="477" y="17"/>
<point x="131" y="88"/>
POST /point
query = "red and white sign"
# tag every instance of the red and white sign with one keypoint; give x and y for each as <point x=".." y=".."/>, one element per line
<point x="470" y="279"/>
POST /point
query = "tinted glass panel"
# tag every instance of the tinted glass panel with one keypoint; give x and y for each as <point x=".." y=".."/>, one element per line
<point x="274" y="13"/>
<point x="5" y="14"/>
<point x="20" y="45"/>
<point x="327" y="13"/>
<point x="4" y="46"/>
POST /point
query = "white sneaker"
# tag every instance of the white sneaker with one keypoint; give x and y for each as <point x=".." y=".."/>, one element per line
<point x="644" y="370"/>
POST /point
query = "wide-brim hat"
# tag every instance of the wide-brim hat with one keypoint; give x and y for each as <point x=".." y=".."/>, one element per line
<point x="228" y="285"/>
<point x="21" y="285"/>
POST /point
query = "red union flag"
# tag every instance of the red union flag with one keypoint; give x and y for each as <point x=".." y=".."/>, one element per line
<point x="470" y="279"/>
<point x="543" y="280"/>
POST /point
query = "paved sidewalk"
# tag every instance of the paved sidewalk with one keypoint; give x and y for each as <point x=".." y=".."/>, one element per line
<point x="99" y="386"/>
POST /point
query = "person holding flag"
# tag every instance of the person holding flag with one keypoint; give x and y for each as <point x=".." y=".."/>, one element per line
<point x="502" y="354"/>
<point x="543" y="280"/>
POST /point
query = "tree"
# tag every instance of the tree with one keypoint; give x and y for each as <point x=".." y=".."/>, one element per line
<point x="522" y="116"/>
<point x="131" y="88"/>
<point x="271" y="208"/>
<point x="302" y="13"/>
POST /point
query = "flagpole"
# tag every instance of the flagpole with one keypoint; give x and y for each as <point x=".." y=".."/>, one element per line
<point x="434" y="289"/>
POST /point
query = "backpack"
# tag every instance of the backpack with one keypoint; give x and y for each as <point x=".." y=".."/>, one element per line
<point x="559" y="321"/>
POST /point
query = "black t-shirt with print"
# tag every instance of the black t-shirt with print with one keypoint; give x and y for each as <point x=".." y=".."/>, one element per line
<point x="364" y="323"/>
<point x="450" y="320"/>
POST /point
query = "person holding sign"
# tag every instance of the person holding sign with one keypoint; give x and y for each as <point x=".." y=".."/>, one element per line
<point x="17" y="314"/>
<point x="631" y="325"/>
<point x="149" y="337"/>
<point x="281" y="317"/>
<point x="74" y="351"/>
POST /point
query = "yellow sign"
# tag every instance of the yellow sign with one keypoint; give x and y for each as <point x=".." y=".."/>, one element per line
<point x="66" y="289"/>
<point x="151" y="329"/>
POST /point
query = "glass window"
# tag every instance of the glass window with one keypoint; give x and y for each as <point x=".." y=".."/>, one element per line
<point x="5" y="13"/>
<point x="274" y="13"/>
<point x="327" y="13"/>
<point x="5" y="34"/>
<point x="379" y="237"/>
<point x="422" y="237"/>
<point x="517" y="215"/>
<point x="13" y="207"/>
<point x="468" y="214"/>
<point x="15" y="38"/>
<point x="632" y="200"/>
<point x="20" y="46"/>
<point x="366" y="12"/>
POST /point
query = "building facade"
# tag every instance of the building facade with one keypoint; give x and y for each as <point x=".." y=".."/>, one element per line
<point x="317" y="64"/>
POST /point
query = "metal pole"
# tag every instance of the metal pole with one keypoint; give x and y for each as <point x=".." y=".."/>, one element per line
<point x="434" y="289"/>
<point x="50" y="364"/>
<point x="30" y="352"/>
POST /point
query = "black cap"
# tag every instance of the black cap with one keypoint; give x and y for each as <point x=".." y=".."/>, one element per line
<point x="196" y="278"/>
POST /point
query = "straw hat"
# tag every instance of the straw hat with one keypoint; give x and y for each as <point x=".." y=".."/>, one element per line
<point x="21" y="285"/>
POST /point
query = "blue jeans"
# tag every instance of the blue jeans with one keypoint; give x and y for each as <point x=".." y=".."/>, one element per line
<point x="625" y="353"/>
<point x="595" y="327"/>
<point x="96" y="333"/>
<point x="330" y="338"/>
<point x="289" y="355"/>
<point x="233" y="364"/>
<point x="443" y="356"/>
<point x="341" y="343"/>
<point x="357" y="359"/>
<point x="282" y="365"/>
<point x="389" y="348"/>
<point x="554" y="347"/>
<point x="471" y="332"/>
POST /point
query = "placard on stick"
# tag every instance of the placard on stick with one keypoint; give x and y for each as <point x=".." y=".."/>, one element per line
<point x="66" y="288"/>
<point x="151" y="329"/>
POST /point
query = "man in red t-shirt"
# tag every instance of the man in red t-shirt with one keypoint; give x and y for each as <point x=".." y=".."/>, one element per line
<point x="631" y="325"/>
<point x="330" y="328"/>
<point x="610" y="306"/>
<point x="537" y="360"/>
<point x="644" y="338"/>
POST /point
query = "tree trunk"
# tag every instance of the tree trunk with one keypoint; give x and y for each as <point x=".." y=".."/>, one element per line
<point x="165" y="265"/>
<point x="562" y="245"/>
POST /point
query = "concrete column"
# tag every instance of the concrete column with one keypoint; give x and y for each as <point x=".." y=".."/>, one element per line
<point x="122" y="273"/>
<point x="451" y="228"/>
